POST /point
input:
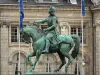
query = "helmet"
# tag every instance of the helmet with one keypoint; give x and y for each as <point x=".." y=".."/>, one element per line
<point x="52" y="9"/>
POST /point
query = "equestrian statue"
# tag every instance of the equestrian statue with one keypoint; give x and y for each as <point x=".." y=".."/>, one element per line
<point x="50" y="41"/>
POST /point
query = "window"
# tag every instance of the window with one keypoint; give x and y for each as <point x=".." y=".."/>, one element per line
<point x="23" y="0"/>
<point x="47" y="1"/>
<point x="49" y="63"/>
<point x="14" y="34"/>
<point x="15" y="64"/>
<point x="73" y="1"/>
<point x="68" y="1"/>
<point x="78" y="30"/>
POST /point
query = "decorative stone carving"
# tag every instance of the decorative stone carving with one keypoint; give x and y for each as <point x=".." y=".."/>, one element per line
<point x="64" y="28"/>
<point x="4" y="23"/>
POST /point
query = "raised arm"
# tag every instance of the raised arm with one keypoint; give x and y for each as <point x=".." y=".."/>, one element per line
<point x="53" y="25"/>
<point x="42" y="21"/>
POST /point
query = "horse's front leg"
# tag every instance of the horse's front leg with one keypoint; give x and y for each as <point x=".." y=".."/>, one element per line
<point x="28" y="61"/>
<point x="38" y="53"/>
<point x="62" y="58"/>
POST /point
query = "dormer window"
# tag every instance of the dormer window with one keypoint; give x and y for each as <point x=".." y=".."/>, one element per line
<point x="47" y="1"/>
<point x="23" y="0"/>
<point x="68" y="1"/>
<point x="73" y="1"/>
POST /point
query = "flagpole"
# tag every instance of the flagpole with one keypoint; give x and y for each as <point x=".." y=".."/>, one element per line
<point x="82" y="38"/>
<point x="19" y="52"/>
<point x="82" y="22"/>
<point x="21" y="13"/>
<point x="19" y="42"/>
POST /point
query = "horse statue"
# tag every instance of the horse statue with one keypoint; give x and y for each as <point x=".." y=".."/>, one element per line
<point x="67" y="42"/>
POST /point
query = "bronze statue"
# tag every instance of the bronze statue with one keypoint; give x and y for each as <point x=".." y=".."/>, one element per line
<point x="51" y="30"/>
<point x="44" y="41"/>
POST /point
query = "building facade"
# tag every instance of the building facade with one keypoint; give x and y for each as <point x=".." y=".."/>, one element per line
<point x="69" y="17"/>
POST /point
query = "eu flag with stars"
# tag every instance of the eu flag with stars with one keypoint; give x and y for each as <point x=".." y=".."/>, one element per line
<point x="21" y="13"/>
<point x="83" y="7"/>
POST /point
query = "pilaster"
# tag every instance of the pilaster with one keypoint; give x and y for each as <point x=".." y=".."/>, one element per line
<point x="4" y="48"/>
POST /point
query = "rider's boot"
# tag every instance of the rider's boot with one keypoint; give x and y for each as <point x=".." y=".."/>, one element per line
<point x="46" y="50"/>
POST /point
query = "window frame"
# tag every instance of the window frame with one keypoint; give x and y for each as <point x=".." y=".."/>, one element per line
<point x="68" y="1"/>
<point x="77" y="32"/>
<point x="41" y="1"/>
<point x="12" y="44"/>
<point x="24" y="1"/>
<point x="15" y="63"/>
<point x="15" y="26"/>
<point x="17" y="34"/>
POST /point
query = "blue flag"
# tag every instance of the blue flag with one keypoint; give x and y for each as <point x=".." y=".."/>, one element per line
<point x="83" y="7"/>
<point x="21" y="13"/>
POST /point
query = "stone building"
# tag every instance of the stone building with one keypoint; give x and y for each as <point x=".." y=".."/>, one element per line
<point x="69" y="16"/>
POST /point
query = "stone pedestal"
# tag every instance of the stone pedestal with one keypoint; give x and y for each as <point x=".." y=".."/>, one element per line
<point x="46" y="73"/>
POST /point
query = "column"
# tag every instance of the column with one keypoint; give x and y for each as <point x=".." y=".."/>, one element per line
<point x="97" y="50"/>
<point x="0" y="49"/>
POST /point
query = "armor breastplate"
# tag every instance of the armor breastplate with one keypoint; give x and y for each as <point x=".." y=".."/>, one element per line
<point x="49" y="21"/>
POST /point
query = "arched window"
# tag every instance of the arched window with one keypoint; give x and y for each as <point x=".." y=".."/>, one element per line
<point x="22" y="64"/>
<point x="48" y="63"/>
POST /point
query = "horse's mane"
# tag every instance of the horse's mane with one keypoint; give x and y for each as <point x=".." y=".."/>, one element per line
<point x="38" y="29"/>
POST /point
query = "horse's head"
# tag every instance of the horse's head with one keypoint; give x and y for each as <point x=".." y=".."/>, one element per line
<point x="31" y="32"/>
<point x="25" y="35"/>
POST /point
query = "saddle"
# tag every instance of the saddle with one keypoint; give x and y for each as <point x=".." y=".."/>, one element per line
<point x="54" y="40"/>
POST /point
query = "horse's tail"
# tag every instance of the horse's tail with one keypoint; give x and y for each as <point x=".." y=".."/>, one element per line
<point x="77" y="45"/>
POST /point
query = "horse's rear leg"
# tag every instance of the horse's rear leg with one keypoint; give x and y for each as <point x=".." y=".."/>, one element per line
<point x="65" y="51"/>
<point x="28" y="61"/>
<point x="69" y="61"/>
<point x="38" y="53"/>
<point x="62" y="58"/>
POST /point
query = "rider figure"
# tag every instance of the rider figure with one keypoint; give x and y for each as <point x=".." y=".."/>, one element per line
<point x="51" y="30"/>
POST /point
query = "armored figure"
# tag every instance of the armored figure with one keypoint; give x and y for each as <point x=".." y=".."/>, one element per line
<point x="51" y="30"/>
